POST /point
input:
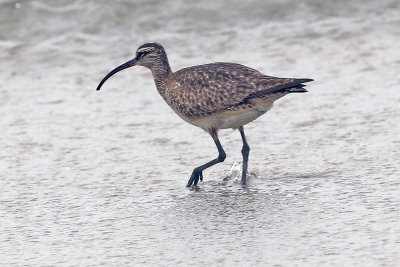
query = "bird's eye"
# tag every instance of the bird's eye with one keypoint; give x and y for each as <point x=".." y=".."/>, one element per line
<point x="142" y="54"/>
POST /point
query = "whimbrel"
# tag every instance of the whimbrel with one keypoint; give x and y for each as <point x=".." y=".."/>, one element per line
<point x="213" y="96"/>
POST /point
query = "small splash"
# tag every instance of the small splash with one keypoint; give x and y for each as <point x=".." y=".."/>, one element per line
<point x="234" y="175"/>
<point x="235" y="172"/>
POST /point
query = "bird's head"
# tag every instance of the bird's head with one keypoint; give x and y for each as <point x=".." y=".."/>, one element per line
<point x="149" y="55"/>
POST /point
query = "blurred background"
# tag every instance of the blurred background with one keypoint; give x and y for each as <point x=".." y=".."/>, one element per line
<point x="90" y="178"/>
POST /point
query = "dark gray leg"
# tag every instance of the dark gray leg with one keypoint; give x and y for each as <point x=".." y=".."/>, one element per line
<point x="198" y="172"/>
<point x="245" y="153"/>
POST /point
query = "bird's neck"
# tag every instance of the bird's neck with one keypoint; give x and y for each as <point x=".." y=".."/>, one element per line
<point x="161" y="71"/>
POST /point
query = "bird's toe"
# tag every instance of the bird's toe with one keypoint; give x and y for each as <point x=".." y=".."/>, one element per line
<point x="194" y="178"/>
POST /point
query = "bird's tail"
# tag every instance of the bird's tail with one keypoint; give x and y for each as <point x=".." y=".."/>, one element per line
<point x="299" y="87"/>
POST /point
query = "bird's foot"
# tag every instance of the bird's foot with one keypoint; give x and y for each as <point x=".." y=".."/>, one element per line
<point x="243" y="181"/>
<point x="194" y="179"/>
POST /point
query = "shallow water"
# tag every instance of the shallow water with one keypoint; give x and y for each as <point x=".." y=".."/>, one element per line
<point x="90" y="178"/>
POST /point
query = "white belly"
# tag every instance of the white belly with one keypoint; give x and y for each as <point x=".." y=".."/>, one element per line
<point x="229" y="119"/>
<point x="235" y="119"/>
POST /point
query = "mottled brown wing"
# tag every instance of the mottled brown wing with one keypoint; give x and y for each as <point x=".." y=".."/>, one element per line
<point x="206" y="89"/>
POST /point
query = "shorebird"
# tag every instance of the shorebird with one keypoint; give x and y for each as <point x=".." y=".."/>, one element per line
<point x="213" y="96"/>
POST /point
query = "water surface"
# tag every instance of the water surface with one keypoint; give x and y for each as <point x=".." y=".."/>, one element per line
<point x="90" y="178"/>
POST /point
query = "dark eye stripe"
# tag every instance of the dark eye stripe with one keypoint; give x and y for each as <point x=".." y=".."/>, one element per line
<point x="142" y="54"/>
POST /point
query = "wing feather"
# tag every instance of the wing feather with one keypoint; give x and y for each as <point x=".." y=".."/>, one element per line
<point x="206" y="89"/>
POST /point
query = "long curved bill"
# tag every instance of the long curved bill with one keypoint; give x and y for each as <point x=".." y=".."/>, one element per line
<point x="128" y="64"/>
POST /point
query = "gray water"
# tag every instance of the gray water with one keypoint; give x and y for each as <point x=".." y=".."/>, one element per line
<point x="98" y="178"/>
